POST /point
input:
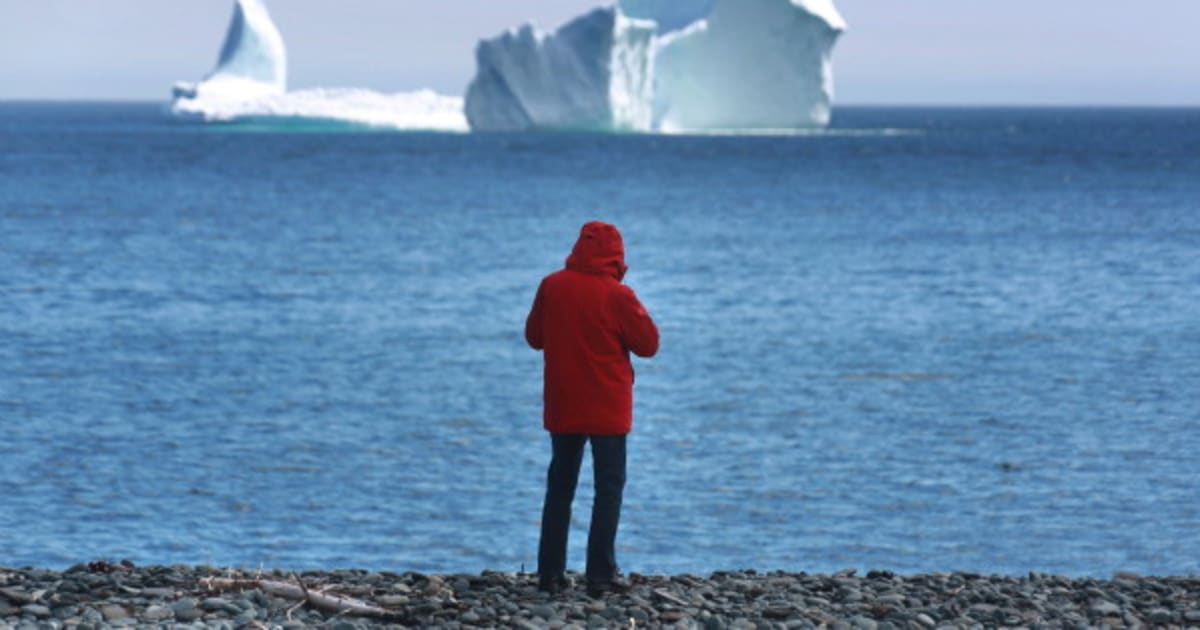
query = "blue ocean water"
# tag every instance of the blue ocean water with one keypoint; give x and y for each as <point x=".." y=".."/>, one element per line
<point x="922" y="340"/>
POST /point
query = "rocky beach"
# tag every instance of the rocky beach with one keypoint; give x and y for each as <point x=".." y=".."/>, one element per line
<point x="106" y="594"/>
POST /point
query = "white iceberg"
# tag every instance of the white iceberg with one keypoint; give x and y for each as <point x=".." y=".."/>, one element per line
<point x="250" y="83"/>
<point x="663" y="65"/>
<point x="751" y="64"/>
<point x="419" y="110"/>
<point x="593" y="73"/>
<point x="253" y="59"/>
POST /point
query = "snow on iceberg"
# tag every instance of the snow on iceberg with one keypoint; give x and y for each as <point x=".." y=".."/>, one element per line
<point x="671" y="15"/>
<point x="751" y="64"/>
<point x="250" y="83"/>
<point x="594" y="73"/>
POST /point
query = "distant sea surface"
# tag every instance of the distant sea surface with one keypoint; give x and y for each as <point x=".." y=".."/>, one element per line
<point x="921" y="340"/>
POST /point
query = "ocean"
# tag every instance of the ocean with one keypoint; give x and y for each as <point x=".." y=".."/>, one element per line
<point x="924" y="339"/>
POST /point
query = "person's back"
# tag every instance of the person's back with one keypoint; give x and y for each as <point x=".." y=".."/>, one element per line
<point x="587" y="323"/>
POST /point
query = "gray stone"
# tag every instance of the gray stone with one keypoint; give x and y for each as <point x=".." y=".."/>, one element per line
<point x="17" y="596"/>
<point x="216" y="604"/>
<point x="894" y="599"/>
<point x="244" y="619"/>
<point x="1105" y="608"/>
<point x="393" y="601"/>
<point x="157" y="613"/>
<point x="113" y="612"/>
<point x="925" y="620"/>
<point x="545" y="611"/>
<point x="185" y="610"/>
<point x="37" y="610"/>
<point x="614" y="613"/>
<point x="863" y="623"/>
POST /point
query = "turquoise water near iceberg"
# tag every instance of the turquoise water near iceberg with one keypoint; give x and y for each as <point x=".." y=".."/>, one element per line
<point x="925" y="339"/>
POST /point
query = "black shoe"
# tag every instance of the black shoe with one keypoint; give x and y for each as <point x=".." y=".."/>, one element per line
<point x="600" y="589"/>
<point x="553" y="584"/>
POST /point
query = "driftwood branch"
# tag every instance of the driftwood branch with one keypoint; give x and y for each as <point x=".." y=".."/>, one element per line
<point x="322" y="601"/>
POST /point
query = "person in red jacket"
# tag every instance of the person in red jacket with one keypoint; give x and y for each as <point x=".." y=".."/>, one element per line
<point x="586" y="323"/>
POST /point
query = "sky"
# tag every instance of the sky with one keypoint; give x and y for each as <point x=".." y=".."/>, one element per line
<point x="895" y="52"/>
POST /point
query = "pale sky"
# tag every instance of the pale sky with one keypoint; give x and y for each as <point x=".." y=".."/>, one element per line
<point x="1024" y="52"/>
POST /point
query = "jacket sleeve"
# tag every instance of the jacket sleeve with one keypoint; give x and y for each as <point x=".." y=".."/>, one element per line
<point x="638" y="331"/>
<point x="533" y="322"/>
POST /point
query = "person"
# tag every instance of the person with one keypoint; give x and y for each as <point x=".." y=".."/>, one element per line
<point x="586" y="322"/>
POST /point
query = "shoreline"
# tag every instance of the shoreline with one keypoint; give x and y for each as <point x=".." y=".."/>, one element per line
<point x="104" y="594"/>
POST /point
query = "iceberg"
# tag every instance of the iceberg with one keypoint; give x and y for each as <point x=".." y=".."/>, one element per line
<point x="592" y="74"/>
<point x="253" y="59"/>
<point x="751" y="64"/>
<point x="663" y="65"/>
<point x="418" y="110"/>
<point x="249" y="83"/>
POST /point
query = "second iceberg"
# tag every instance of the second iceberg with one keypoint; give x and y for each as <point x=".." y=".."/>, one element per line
<point x="653" y="65"/>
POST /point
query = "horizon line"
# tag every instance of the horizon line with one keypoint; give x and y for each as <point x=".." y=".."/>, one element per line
<point x="852" y="105"/>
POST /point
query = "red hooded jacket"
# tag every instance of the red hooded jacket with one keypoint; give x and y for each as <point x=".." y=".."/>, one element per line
<point x="586" y="323"/>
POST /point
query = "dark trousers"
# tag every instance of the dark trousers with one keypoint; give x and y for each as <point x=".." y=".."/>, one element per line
<point x="608" y="466"/>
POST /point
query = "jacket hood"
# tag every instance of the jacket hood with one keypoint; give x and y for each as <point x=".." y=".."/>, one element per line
<point x="599" y="251"/>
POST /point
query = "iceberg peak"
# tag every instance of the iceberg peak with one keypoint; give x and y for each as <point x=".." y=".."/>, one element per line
<point x="253" y="60"/>
<point x="253" y="47"/>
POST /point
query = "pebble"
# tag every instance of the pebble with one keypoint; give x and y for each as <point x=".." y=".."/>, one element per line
<point x="113" y="612"/>
<point x="102" y="595"/>
<point x="156" y="612"/>
<point x="37" y="610"/>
